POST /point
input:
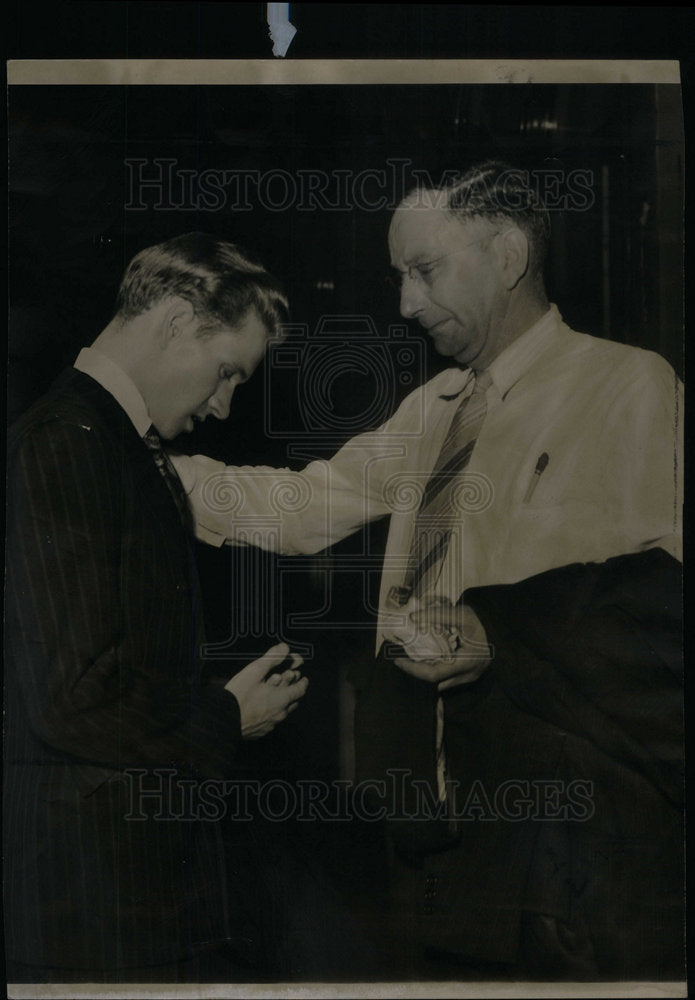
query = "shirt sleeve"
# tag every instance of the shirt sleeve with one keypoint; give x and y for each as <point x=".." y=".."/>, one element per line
<point x="302" y="512"/>
<point x="644" y="459"/>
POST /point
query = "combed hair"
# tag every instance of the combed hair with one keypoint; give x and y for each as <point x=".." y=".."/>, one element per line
<point x="497" y="191"/>
<point x="218" y="278"/>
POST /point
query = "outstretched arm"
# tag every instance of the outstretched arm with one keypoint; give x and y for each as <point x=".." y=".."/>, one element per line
<point x="304" y="512"/>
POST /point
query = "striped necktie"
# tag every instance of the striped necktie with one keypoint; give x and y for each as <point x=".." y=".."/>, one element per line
<point x="436" y="519"/>
<point x="438" y="513"/>
<point x="169" y="474"/>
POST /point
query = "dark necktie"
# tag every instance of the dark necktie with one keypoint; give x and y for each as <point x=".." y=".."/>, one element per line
<point x="169" y="474"/>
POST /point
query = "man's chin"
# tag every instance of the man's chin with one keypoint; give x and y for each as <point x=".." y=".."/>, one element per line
<point x="185" y="426"/>
<point x="443" y="337"/>
<point x="444" y="345"/>
<point x="168" y="432"/>
<point x="450" y="347"/>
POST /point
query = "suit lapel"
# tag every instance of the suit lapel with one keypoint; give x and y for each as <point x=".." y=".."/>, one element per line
<point x="150" y="489"/>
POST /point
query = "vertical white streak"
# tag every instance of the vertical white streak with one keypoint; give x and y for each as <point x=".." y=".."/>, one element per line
<point x="281" y="31"/>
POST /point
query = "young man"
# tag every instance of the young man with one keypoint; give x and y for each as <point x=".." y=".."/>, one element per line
<point x="113" y="867"/>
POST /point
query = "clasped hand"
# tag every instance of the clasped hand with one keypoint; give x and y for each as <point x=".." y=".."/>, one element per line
<point x="463" y="665"/>
<point x="265" y="700"/>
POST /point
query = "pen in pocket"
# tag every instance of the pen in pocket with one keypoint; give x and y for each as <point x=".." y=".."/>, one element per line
<point x="537" y="473"/>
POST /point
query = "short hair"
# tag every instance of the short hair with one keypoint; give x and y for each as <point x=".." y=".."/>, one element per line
<point x="497" y="191"/>
<point x="220" y="280"/>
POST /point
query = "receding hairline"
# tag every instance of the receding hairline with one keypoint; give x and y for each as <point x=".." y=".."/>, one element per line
<point x="425" y="198"/>
<point x="429" y="200"/>
<point x="437" y="199"/>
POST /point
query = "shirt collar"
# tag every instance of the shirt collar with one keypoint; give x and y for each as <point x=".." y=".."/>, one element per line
<point x="111" y="377"/>
<point x="515" y="360"/>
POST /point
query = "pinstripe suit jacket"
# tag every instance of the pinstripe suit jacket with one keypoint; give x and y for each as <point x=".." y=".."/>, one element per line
<point x="104" y="675"/>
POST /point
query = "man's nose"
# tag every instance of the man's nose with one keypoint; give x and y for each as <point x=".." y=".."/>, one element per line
<point x="412" y="297"/>
<point x="221" y="399"/>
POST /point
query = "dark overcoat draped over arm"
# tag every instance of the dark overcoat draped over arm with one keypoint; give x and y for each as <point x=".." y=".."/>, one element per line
<point x="566" y="760"/>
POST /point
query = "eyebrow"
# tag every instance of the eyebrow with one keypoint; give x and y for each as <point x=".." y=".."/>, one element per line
<point x="419" y="258"/>
<point x="417" y="261"/>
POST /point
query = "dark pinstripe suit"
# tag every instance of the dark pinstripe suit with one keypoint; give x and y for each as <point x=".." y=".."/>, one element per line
<point x="103" y="673"/>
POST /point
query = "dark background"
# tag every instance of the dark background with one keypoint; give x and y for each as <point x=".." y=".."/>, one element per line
<point x="615" y="268"/>
<point x="78" y="215"/>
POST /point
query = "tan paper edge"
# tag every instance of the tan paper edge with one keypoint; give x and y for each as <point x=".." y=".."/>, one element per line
<point x="347" y="991"/>
<point x="222" y="72"/>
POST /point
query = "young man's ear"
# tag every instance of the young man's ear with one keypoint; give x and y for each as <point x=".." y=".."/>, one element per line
<point x="178" y="318"/>
<point x="514" y="256"/>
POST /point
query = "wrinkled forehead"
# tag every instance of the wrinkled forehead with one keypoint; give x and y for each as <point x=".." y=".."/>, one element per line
<point x="422" y="228"/>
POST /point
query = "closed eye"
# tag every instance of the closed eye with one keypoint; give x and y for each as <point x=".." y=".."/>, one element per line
<point x="421" y="270"/>
<point x="237" y="375"/>
<point x="424" y="268"/>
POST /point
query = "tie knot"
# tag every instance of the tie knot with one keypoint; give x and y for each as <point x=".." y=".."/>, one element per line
<point x="168" y="472"/>
<point x="151" y="437"/>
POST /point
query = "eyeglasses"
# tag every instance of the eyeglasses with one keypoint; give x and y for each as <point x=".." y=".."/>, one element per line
<point x="424" y="270"/>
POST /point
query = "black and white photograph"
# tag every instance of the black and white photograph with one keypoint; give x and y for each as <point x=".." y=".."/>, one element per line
<point x="343" y="570"/>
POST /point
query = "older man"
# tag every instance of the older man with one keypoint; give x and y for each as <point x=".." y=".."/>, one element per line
<point x="112" y="868"/>
<point x="544" y="476"/>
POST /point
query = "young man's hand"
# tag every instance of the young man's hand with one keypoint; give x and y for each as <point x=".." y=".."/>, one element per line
<point x="265" y="700"/>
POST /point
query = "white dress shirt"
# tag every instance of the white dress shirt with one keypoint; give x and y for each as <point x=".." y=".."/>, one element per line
<point x="607" y="416"/>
